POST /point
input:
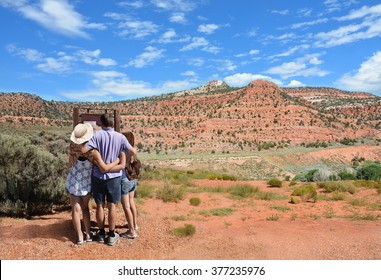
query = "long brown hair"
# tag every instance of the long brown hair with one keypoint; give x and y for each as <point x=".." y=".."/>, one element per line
<point x="130" y="137"/>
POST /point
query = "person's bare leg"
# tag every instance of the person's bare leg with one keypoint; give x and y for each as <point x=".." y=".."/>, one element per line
<point x="111" y="216"/>
<point x="100" y="216"/>
<point x="86" y="215"/>
<point x="128" y="214"/>
<point x="131" y="197"/>
<point x="76" y="216"/>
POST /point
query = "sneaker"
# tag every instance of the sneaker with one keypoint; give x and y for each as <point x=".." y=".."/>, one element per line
<point x="112" y="239"/>
<point x="129" y="235"/>
<point x="101" y="238"/>
<point x="136" y="227"/>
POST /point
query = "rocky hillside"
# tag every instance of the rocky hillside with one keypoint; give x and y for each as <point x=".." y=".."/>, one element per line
<point x="217" y="117"/>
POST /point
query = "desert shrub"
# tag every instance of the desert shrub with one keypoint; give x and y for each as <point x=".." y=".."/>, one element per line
<point x="274" y="182"/>
<point x="370" y="171"/>
<point x="221" y="211"/>
<point x="186" y="230"/>
<point x="195" y="201"/>
<point x="170" y="193"/>
<point x="269" y="196"/>
<point x="292" y="183"/>
<point x="338" y="195"/>
<point x="305" y="192"/>
<point x="341" y="186"/>
<point x="324" y="175"/>
<point x="306" y="176"/>
<point x="295" y="200"/>
<point x="243" y="190"/>
<point x="32" y="180"/>
<point x="346" y="175"/>
<point x="225" y="177"/>
<point x="144" y="191"/>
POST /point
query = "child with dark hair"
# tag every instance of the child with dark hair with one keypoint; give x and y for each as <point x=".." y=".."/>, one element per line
<point x="129" y="183"/>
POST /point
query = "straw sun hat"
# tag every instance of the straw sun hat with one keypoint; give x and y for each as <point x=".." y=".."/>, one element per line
<point x="82" y="133"/>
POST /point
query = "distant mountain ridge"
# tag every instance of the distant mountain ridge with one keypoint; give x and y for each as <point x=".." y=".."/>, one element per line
<point x="217" y="117"/>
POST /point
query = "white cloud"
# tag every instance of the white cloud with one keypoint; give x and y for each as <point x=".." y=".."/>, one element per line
<point x="45" y="64"/>
<point x="56" y="15"/>
<point x="363" y="12"/>
<point x="243" y="79"/>
<point x="178" y="18"/>
<point x="110" y="84"/>
<point x="196" y="62"/>
<point x="308" y="23"/>
<point x="280" y="12"/>
<point x="366" y="78"/>
<point x="207" y="28"/>
<point x="133" y="4"/>
<point x="295" y="83"/>
<point x="148" y="57"/>
<point x="170" y="36"/>
<point x="369" y="27"/>
<point x="200" y="43"/>
<point x="189" y="73"/>
<point x="175" y="5"/>
<point x="304" y="66"/>
<point x="133" y="28"/>
<point x="93" y="58"/>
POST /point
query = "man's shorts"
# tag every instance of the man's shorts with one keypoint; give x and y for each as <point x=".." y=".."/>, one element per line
<point x="106" y="189"/>
<point x="128" y="186"/>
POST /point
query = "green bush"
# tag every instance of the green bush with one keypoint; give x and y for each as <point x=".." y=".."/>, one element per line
<point x="170" y="193"/>
<point x="295" y="200"/>
<point x="341" y="186"/>
<point x="370" y="171"/>
<point x="243" y="190"/>
<point x="32" y="180"/>
<point x="345" y="175"/>
<point x="274" y="182"/>
<point x="305" y="192"/>
<point x="195" y="201"/>
<point x="186" y="230"/>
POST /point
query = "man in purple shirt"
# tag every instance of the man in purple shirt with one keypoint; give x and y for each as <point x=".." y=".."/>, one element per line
<point x="109" y="143"/>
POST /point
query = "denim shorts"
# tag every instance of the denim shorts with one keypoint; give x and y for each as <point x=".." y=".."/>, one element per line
<point x="103" y="189"/>
<point x="128" y="186"/>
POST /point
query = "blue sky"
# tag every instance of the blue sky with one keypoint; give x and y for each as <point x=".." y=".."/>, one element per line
<point x="116" y="50"/>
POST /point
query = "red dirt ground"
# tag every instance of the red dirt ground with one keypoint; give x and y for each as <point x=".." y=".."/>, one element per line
<point x="257" y="229"/>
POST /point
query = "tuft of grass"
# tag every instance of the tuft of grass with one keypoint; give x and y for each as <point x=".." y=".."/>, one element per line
<point x="145" y="191"/>
<point x="221" y="211"/>
<point x="295" y="200"/>
<point x="273" y="218"/>
<point x="243" y="190"/>
<point x="270" y="196"/>
<point x="338" y="195"/>
<point x="195" y="201"/>
<point x="358" y="202"/>
<point x="170" y="193"/>
<point x="179" y="218"/>
<point x="186" y="230"/>
<point x="204" y="213"/>
<point x="274" y="182"/>
<point x="280" y="208"/>
<point x="306" y="193"/>
<point x="365" y="217"/>
<point x="224" y="177"/>
<point x="342" y="186"/>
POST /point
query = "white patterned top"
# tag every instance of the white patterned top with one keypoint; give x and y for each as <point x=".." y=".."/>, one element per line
<point x="78" y="181"/>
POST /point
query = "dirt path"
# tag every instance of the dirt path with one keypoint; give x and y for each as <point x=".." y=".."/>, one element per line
<point x="256" y="229"/>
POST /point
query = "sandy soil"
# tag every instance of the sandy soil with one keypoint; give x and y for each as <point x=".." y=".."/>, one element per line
<point x="256" y="229"/>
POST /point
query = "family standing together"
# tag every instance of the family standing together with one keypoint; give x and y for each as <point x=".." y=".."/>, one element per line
<point x="104" y="165"/>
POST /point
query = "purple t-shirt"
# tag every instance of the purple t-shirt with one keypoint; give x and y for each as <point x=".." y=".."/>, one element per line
<point x="109" y="143"/>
